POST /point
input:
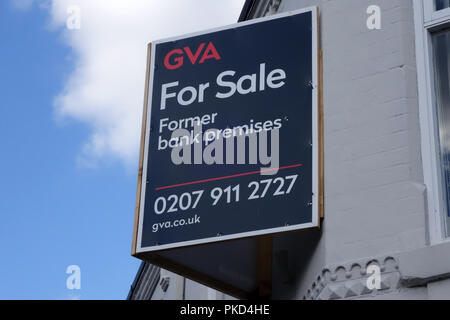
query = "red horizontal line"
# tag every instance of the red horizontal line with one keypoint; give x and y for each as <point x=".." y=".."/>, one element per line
<point x="229" y="177"/>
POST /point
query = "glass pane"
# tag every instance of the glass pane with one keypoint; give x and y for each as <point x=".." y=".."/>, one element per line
<point x="442" y="4"/>
<point x="441" y="48"/>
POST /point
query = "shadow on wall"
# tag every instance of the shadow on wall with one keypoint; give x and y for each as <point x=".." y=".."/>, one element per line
<point x="292" y="255"/>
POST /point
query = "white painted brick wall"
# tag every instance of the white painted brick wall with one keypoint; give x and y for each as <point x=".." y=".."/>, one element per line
<point x="374" y="201"/>
<point x="374" y="192"/>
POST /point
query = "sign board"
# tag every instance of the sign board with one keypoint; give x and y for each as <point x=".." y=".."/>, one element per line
<point x="230" y="144"/>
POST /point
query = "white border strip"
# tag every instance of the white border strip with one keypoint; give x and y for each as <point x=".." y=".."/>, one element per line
<point x="315" y="137"/>
<point x="428" y="121"/>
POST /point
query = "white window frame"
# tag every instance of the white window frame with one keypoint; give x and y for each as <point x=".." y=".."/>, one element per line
<point x="431" y="16"/>
<point x="426" y="19"/>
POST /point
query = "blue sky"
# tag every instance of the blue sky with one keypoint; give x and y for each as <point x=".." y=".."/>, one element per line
<point x="54" y="212"/>
<point x="69" y="134"/>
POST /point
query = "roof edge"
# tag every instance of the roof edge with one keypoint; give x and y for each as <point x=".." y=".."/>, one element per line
<point x="248" y="5"/>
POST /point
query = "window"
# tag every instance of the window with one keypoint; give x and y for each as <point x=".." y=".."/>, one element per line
<point x="441" y="58"/>
<point x="442" y="4"/>
<point x="432" y="22"/>
<point x="435" y="11"/>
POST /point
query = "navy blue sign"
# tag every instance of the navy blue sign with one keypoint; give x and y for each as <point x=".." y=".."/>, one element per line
<point x="231" y="141"/>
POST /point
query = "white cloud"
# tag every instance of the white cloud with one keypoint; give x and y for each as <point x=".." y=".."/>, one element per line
<point x="106" y="87"/>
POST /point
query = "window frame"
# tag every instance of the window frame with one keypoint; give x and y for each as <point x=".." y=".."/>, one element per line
<point x="432" y="16"/>
<point x="427" y="20"/>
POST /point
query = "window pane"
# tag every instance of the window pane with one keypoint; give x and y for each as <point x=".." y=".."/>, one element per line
<point x="442" y="4"/>
<point x="441" y="48"/>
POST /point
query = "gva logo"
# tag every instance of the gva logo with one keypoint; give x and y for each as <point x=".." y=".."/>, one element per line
<point x="175" y="58"/>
